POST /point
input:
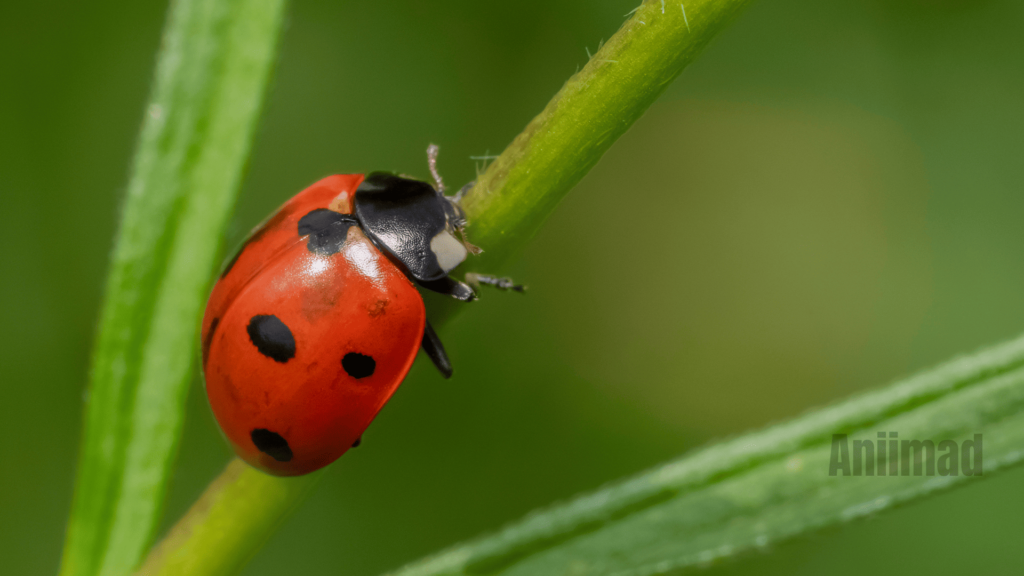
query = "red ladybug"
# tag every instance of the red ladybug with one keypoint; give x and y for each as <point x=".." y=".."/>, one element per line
<point x="315" y="322"/>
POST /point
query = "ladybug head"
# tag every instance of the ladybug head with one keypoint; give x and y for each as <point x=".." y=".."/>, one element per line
<point x="416" y="227"/>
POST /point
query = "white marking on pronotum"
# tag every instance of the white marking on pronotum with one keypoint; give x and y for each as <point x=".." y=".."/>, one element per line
<point x="449" y="251"/>
<point x="684" y="16"/>
<point x="662" y="6"/>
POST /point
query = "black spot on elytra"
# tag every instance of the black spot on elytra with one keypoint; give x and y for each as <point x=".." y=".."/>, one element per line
<point x="208" y="340"/>
<point x="271" y="337"/>
<point x="271" y="444"/>
<point x="358" y="365"/>
<point x="357" y="442"/>
<point x="326" y="229"/>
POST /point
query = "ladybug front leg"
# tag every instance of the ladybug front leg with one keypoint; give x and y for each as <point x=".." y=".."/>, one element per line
<point x="505" y="283"/>
<point x="462" y="191"/>
<point x="435" y="350"/>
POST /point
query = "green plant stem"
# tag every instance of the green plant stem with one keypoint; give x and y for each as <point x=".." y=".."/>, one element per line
<point x="593" y="109"/>
<point x="520" y="189"/>
<point x="210" y="78"/>
<point x="761" y="488"/>
<point x="197" y="544"/>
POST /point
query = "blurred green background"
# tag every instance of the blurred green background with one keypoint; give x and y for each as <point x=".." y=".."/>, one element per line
<point x="830" y="198"/>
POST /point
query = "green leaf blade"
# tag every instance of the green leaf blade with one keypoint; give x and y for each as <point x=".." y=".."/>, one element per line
<point x="764" y="487"/>
<point x="210" y="78"/>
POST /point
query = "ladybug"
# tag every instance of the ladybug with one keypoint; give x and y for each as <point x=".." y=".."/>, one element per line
<point x="316" y="321"/>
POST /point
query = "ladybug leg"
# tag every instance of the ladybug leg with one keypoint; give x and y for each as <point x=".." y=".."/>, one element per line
<point x="432" y="151"/>
<point x="459" y="222"/>
<point x="451" y="287"/>
<point x="435" y="350"/>
<point x="462" y="192"/>
<point x="506" y="283"/>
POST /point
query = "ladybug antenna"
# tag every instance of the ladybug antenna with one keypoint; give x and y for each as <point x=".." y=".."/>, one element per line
<point x="432" y="151"/>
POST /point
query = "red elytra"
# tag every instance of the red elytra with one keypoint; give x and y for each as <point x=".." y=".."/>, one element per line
<point x="354" y="301"/>
<point x="316" y="321"/>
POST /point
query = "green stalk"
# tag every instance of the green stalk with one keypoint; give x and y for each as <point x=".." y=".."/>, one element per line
<point x="210" y="78"/>
<point x="506" y="207"/>
<point x="196" y="545"/>
<point x="597" y="105"/>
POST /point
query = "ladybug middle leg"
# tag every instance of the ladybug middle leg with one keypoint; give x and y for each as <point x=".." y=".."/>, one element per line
<point x="435" y="351"/>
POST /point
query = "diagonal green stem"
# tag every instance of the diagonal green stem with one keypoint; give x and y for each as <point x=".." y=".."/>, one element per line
<point x="203" y="541"/>
<point x="591" y="111"/>
<point x="211" y="73"/>
<point x="506" y="207"/>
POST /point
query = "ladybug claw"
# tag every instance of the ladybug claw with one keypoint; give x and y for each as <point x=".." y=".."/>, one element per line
<point x="470" y="247"/>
